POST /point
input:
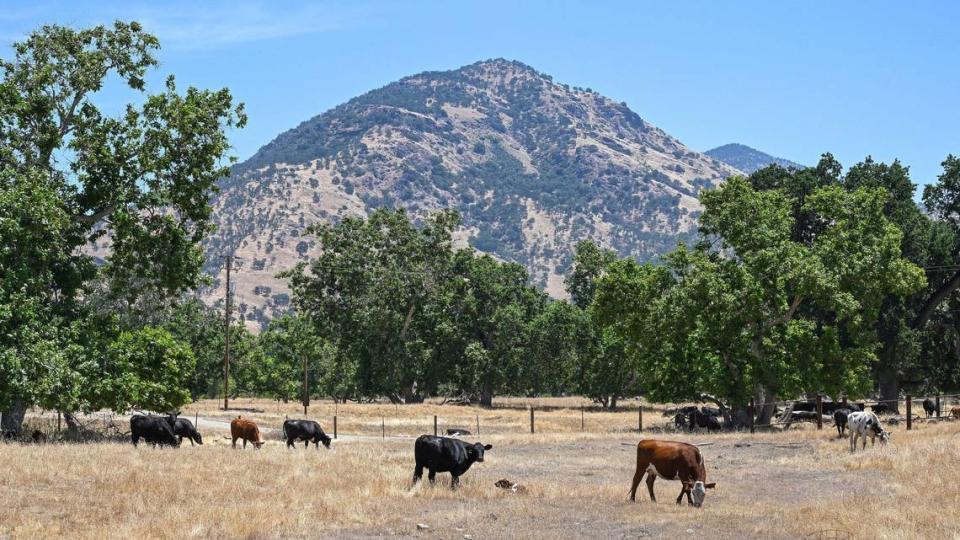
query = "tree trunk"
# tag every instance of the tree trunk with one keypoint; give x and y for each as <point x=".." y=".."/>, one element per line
<point x="486" y="394"/>
<point x="411" y="395"/>
<point x="13" y="418"/>
<point x="613" y="402"/>
<point x="888" y="380"/>
<point x="73" y="424"/>
<point x="724" y="411"/>
<point x="767" y="403"/>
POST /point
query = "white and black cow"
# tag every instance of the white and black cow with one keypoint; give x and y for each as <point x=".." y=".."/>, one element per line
<point x="863" y="423"/>
<point x="305" y="430"/>
<point x="153" y="429"/>
<point x="445" y="454"/>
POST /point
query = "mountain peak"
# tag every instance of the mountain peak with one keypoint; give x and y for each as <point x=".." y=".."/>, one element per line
<point x="748" y="159"/>
<point x="532" y="165"/>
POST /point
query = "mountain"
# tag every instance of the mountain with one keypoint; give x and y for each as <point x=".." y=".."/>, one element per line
<point x="532" y="165"/>
<point x="747" y="159"/>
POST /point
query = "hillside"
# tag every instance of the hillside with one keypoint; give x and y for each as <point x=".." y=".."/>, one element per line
<point x="748" y="160"/>
<point x="532" y="165"/>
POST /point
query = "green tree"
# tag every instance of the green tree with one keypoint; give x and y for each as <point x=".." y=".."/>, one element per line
<point x="590" y="261"/>
<point x="368" y="292"/>
<point x="69" y="175"/>
<point x="731" y="322"/>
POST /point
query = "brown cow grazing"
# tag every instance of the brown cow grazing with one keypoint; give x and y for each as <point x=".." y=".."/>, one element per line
<point x="955" y="413"/>
<point x="672" y="461"/>
<point x="241" y="428"/>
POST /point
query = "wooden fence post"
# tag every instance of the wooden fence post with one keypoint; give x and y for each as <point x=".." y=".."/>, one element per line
<point x="531" y="420"/>
<point x="478" y="425"/>
<point x="640" y="418"/>
<point x="819" y="411"/>
<point x="751" y="411"/>
<point x="909" y="412"/>
<point x="383" y="429"/>
<point x="938" y="404"/>
<point x="334" y="426"/>
<point x="581" y="418"/>
<point x="434" y="425"/>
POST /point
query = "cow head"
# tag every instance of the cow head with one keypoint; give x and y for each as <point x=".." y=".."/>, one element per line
<point x="197" y="438"/>
<point x="325" y="440"/>
<point x="476" y="450"/>
<point x="698" y="491"/>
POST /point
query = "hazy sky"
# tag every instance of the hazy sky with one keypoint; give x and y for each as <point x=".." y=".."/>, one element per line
<point x="794" y="79"/>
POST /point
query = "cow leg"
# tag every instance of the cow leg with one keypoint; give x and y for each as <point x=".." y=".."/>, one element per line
<point x="683" y="489"/>
<point x="637" y="476"/>
<point x="306" y="444"/>
<point x="432" y="476"/>
<point x="853" y="441"/>
<point x="417" y="473"/>
<point x="244" y="444"/>
<point x="651" y="478"/>
<point x="290" y="443"/>
<point x="455" y="482"/>
<point x="234" y="443"/>
<point x="135" y="438"/>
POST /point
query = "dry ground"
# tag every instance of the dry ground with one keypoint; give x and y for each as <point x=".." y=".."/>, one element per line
<point x="786" y="485"/>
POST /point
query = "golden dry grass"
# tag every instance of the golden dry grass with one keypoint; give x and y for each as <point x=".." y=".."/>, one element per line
<point x="782" y="485"/>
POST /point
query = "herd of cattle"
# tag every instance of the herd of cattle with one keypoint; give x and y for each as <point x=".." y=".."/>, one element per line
<point x="668" y="460"/>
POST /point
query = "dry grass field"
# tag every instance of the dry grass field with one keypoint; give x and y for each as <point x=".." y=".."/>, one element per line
<point x="802" y="483"/>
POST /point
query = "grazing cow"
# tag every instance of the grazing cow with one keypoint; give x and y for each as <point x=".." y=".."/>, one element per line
<point x="444" y="454"/>
<point x="929" y="407"/>
<point x="241" y="428"/>
<point x="305" y="430"/>
<point x="153" y="429"/>
<point x="680" y="421"/>
<point x="671" y="461"/>
<point x="955" y="413"/>
<point x="698" y="419"/>
<point x="840" y="420"/>
<point x="863" y="423"/>
<point x="184" y="428"/>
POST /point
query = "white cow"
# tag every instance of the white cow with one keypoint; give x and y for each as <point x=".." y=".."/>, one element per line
<point x="863" y="423"/>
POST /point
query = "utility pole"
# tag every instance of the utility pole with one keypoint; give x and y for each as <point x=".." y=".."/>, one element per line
<point x="306" y="388"/>
<point x="226" y="339"/>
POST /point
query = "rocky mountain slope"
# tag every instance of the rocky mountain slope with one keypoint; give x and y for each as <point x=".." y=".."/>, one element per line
<point x="748" y="160"/>
<point x="532" y="165"/>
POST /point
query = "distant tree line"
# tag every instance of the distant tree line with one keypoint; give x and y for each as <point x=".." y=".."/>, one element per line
<point x="798" y="281"/>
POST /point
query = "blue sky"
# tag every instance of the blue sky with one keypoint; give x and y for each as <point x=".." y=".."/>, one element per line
<point x="794" y="79"/>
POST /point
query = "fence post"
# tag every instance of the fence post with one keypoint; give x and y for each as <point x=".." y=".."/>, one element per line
<point x="909" y="412"/>
<point x="334" y="426"/>
<point x="478" y="425"/>
<point x="938" y="404"/>
<point x="531" y="420"/>
<point x="819" y="411"/>
<point x="434" y="425"/>
<point x="581" y="418"/>
<point x="383" y="429"/>
<point x="751" y="411"/>
<point x="640" y="418"/>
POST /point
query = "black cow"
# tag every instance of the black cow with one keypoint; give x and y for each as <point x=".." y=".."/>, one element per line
<point x="305" y="430"/>
<point x="153" y="429"/>
<point x="184" y="428"/>
<point x="444" y="454"/>
<point x="698" y="419"/>
<point x="807" y="406"/>
<point x="840" y="420"/>
<point x="929" y="407"/>
<point x="882" y="408"/>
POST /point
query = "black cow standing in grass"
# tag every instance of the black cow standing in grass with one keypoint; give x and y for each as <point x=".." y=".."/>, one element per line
<point x="184" y="428"/>
<point x="305" y="430"/>
<point x="153" y="429"/>
<point x="698" y="419"/>
<point x="840" y="420"/>
<point x="444" y="454"/>
<point x="929" y="407"/>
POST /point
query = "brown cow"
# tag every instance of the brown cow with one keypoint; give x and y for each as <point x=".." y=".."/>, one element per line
<point x="955" y="412"/>
<point x="671" y="461"/>
<point x="246" y="430"/>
